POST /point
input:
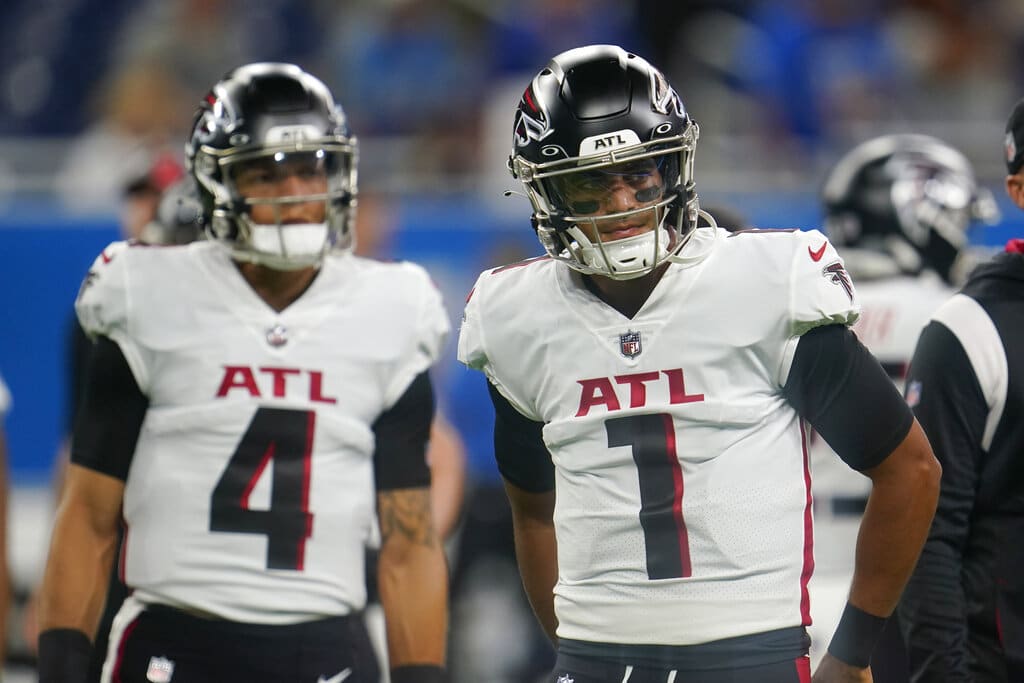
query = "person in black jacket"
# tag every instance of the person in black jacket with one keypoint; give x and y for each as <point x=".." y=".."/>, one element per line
<point x="962" y="613"/>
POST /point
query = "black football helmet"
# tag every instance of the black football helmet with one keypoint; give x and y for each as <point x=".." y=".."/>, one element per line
<point x="276" y="116"/>
<point x="910" y="197"/>
<point x="179" y="215"/>
<point x="595" y="112"/>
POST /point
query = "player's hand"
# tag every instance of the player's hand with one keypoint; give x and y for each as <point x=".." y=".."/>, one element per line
<point x="831" y="670"/>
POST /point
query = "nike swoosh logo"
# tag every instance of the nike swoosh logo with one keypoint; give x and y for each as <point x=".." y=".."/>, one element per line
<point x="336" y="678"/>
<point x="816" y="255"/>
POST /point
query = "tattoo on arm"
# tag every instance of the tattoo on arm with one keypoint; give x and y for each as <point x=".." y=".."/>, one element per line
<point x="406" y="512"/>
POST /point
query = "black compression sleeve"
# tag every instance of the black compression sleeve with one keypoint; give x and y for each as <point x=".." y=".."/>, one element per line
<point x="402" y="432"/>
<point x="418" y="673"/>
<point x="111" y="414"/>
<point x="519" y="448"/>
<point x="839" y="387"/>
<point x="63" y="655"/>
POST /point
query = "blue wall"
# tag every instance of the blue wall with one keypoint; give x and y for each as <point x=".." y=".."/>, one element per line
<point x="44" y="259"/>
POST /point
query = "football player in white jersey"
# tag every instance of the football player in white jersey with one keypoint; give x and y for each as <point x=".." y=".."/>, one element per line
<point x="898" y="208"/>
<point x="251" y="399"/>
<point x="653" y="384"/>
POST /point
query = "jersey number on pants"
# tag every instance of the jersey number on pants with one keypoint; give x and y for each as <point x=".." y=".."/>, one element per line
<point x="285" y="439"/>
<point x="653" y="439"/>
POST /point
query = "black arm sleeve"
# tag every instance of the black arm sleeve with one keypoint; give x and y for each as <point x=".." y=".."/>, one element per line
<point x="839" y="387"/>
<point x="79" y="348"/>
<point x="112" y="410"/>
<point x="952" y="410"/>
<point x="519" y="448"/>
<point x="402" y="433"/>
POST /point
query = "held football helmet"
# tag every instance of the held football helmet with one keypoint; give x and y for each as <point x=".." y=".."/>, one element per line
<point x="910" y="197"/>
<point x="271" y="121"/>
<point x="596" y="117"/>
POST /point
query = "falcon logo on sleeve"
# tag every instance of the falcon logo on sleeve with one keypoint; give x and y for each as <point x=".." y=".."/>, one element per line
<point x="837" y="274"/>
<point x="90" y="278"/>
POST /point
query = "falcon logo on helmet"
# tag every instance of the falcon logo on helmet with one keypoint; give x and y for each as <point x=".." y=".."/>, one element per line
<point x="531" y="124"/>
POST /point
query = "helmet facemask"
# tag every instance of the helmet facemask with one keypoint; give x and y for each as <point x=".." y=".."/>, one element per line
<point x="262" y="225"/>
<point x="572" y="201"/>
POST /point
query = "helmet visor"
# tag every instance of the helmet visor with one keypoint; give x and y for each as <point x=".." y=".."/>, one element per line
<point x="289" y="177"/>
<point x="593" y="191"/>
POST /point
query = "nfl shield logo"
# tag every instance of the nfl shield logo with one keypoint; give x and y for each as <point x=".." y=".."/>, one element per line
<point x="629" y="344"/>
<point x="160" y="670"/>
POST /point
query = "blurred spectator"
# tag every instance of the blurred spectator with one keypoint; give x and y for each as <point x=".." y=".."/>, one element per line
<point x="408" y="65"/>
<point x="201" y="40"/>
<point x="523" y="33"/>
<point x="814" y="64"/>
<point x="139" y="119"/>
<point x="411" y="68"/>
<point x="957" y="55"/>
<point x="142" y="195"/>
<point x="178" y="218"/>
<point x="52" y="55"/>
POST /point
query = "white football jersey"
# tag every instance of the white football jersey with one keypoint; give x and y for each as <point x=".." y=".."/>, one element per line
<point x="683" y="505"/>
<point x="251" y="492"/>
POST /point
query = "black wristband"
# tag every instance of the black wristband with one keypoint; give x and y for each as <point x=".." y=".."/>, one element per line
<point x="63" y="655"/>
<point x="855" y="637"/>
<point x="418" y="673"/>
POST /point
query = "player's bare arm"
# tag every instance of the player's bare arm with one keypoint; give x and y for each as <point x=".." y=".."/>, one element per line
<point x="905" y="490"/>
<point x="534" y="531"/>
<point x="447" y="457"/>
<point x="81" y="551"/>
<point x="413" y="578"/>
